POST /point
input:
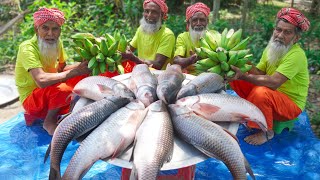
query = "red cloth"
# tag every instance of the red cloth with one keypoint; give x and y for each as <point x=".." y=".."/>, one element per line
<point x="273" y="104"/>
<point x="295" y="17"/>
<point x="197" y="7"/>
<point x="128" y="66"/>
<point x="48" y="14"/>
<point x="41" y="100"/>
<point x="162" y="4"/>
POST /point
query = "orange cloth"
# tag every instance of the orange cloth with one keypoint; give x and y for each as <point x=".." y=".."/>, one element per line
<point x="56" y="96"/>
<point x="273" y="104"/>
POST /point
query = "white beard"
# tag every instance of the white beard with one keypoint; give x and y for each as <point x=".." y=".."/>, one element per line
<point x="49" y="52"/>
<point x="196" y="33"/>
<point x="276" y="50"/>
<point x="148" y="27"/>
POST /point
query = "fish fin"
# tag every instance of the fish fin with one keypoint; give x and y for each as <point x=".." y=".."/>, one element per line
<point x="47" y="153"/>
<point x="54" y="174"/>
<point x="238" y="117"/>
<point x="248" y="168"/>
<point x="132" y="85"/>
<point x="105" y="89"/>
<point x="134" y="173"/>
<point x="232" y="135"/>
<point x="75" y="98"/>
<point x="62" y="117"/>
<point x="205" y="110"/>
<point x="207" y="153"/>
<point x="119" y="149"/>
<point x="77" y="91"/>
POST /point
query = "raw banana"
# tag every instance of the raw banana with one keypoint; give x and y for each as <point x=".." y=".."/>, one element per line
<point x="215" y="69"/>
<point x="241" y="45"/>
<point x="211" y="41"/>
<point x="104" y="47"/>
<point x="207" y="62"/>
<point x="234" y="39"/>
<point x="81" y="36"/>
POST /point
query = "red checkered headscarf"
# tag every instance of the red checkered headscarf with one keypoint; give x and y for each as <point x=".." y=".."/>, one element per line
<point x="197" y="7"/>
<point x="295" y="17"/>
<point x="48" y="14"/>
<point x="162" y="4"/>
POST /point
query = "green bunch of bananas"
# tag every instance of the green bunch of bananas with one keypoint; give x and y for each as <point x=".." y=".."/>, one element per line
<point x="103" y="53"/>
<point x="218" y="51"/>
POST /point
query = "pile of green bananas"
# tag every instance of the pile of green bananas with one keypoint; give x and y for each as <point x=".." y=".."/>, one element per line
<point x="218" y="51"/>
<point x="103" y="53"/>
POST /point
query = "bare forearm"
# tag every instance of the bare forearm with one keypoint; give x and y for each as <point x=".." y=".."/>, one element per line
<point x="183" y="62"/>
<point x="260" y="80"/>
<point x="48" y="79"/>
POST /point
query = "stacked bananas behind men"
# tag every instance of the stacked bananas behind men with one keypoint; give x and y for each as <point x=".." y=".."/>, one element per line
<point x="103" y="53"/>
<point x="218" y="52"/>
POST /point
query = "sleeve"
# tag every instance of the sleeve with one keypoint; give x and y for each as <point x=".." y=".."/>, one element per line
<point x="134" y="40"/>
<point x="30" y="58"/>
<point x="262" y="65"/>
<point x="292" y="64"/>
<point x="63" y="55"/>
<point x="166" y="46"/>
<point x="180" y="47"/>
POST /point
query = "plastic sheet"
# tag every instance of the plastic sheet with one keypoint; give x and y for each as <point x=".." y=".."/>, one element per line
<point x="289" y="155"/>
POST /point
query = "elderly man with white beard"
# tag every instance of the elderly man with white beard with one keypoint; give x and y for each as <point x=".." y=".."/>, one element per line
<point x="279" y="84"/>
<point x="197" y="21"/>
<point x="43" y="79"/>
<point x="153" y="40"/>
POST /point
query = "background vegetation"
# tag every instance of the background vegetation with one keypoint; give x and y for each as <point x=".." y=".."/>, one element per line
<point x="101" y="16"/>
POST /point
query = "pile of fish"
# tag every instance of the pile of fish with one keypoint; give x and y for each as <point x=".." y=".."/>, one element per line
<point x="150" y="109"/>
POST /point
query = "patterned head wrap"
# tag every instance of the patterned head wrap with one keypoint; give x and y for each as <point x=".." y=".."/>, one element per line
<point x="197" y="7"/>
<point x="162" y="4"/>
<point x="48" y="14"/>
<point x="295" y="17"/>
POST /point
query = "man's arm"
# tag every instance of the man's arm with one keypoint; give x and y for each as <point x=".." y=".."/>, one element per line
<point x="43" y="79"/>
<point x="261" y="79"/>
<point x="185" y="62"/>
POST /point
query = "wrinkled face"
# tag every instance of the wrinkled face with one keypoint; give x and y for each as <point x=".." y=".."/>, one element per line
<point x="49" y="32"/>
<point x="152" y="13"/>
<point x="198" y="21"/>
<point x="284" y="33"/>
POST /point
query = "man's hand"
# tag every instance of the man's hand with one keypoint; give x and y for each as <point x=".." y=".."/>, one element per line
<point x="128" y="54"/>
<point x="238" y="74"/>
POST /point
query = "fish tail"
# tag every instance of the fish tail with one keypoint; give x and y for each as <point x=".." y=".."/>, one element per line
<point x="54" y="174"/>
<point x="248" y="168"/>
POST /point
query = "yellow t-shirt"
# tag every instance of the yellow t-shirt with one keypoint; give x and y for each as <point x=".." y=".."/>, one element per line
<point x="294" y="66"/>
<point x="28" y="58"/>
<point x="148" y="45"/>
<point x="183" y="47"/>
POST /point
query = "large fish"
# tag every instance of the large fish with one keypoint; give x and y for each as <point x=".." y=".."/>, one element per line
<point x="77" y="124"/>
<point x="204" y="83"/>
<point x="97" y="87"/>
<point x="109" y="139"/>
<point x="144" y="84"/>
<point x="211" y="104"/>
<point x="153" y="144"/>
<point x="169" y="83"/>
<point x="211" y="139"/>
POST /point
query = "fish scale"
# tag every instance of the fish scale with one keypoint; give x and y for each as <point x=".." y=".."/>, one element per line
<point x="106" y="138"/>
<point x="210" y="139"/>
<point x="156" y="132"/>
<point x="78" y="123"/>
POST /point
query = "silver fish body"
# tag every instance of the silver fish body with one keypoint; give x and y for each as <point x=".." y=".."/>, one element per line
<point x="97" y="87"/>
<point x="156" y="132"/>
<point x="210" y="139"/>
<point x="77" y="124"/>
<point x="110" y="138"/>
<point x="81" y="103"/>
<point x="201" y="84"/>
<point x="227" y="103"/>
<point x="144" y="84"/>
<point x="169" y="83"/>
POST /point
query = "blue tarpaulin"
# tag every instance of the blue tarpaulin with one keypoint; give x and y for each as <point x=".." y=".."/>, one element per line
<point x="289" y="155"/>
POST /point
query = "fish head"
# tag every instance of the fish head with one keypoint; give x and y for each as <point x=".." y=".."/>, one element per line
<point x="188" y="90"/>
<point x="158" y="106"/>
<point x="147" y="95"/>
<point x="122" y="90"/>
